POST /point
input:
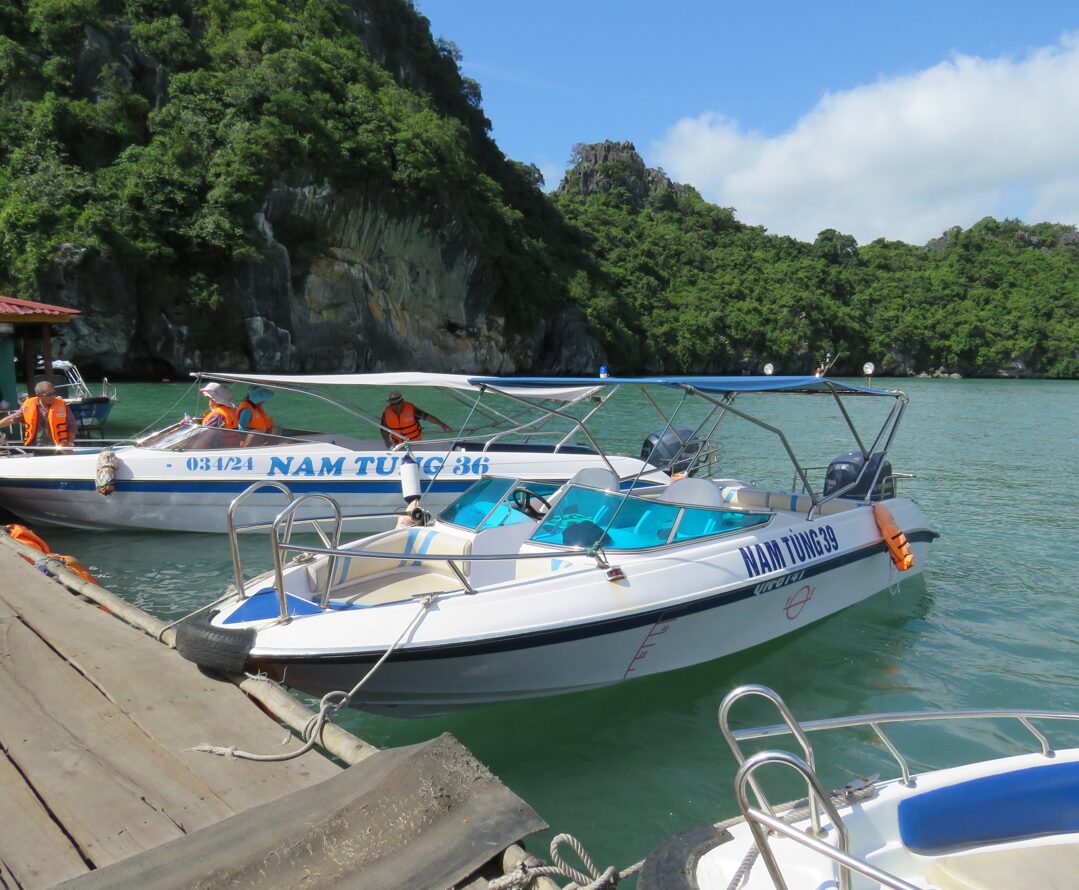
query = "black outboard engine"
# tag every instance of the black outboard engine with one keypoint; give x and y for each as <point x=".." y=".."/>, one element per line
<point x="846" y="468"/>
<point x="665" y="450"/>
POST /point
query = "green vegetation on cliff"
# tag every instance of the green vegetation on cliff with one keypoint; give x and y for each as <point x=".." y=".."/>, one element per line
<point x="684" y="287"/>
<point x="151" y="132"/>
<point x="161" y="159"/>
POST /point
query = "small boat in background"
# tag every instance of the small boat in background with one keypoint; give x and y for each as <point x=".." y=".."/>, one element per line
<point x="90" y="411"/>
<point x="999" y="824"/>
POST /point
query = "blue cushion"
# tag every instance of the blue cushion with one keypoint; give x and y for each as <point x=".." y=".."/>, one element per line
<point x="1026" y="803"/>
<point x="263" y="604"/>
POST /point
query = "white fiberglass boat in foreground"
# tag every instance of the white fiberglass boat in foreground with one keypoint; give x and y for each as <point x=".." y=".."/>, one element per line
<point x="1000" y="824"/>
<point x="184" y="477"/>
<point x="520" y="589"/>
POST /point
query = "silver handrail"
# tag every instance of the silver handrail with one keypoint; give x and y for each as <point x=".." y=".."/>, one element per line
<point x="234" y="544"/>
<point x="758" y="821"/>
<point x="287" y="517"/>
<point x="792" y="726"/>
<point x="756" y="818"/>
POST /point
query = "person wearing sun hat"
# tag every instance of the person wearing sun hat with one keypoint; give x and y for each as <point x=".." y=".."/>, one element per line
<point x="401" y="420"/>
<point x="222" y="413"/>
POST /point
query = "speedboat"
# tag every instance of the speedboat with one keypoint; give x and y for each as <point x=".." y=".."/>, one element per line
<point x="183" y="477"/>
<point x="90" y="410"/>
<point x="998" y="824"/>
<point x="519" y="589"/>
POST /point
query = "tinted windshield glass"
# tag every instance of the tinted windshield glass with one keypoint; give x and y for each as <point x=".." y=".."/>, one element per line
<point x="470" y="509"/>
<point x="582" y="516"/>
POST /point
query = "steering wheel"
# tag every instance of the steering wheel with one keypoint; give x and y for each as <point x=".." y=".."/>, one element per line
<point x="522" y="499"/>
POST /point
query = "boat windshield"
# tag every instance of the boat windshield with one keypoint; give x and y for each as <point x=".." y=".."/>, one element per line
<point x="582" y="514"/>
<point x="487" y="504"/>
<point x="193" y="437"/>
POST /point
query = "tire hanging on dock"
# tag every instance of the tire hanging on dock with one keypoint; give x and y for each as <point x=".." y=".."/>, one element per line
<point x="105" y="478"/>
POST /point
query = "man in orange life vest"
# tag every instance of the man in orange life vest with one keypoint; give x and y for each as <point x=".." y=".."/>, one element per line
<point x="251" y="416"/>
<point x="401" y="420"/>
<point x="45" y="418"/>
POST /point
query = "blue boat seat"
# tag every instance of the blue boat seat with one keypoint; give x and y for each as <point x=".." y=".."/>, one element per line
<point x="1026" y="803"/>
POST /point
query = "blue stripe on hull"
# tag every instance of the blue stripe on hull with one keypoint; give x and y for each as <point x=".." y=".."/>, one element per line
<point x="584" y="631"/>
<point x="362" y="486"/>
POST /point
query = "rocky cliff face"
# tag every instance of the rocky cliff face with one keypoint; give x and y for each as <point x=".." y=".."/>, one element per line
<point x="345" y="282"/>
<point x="342" y="285"/>
<point x="606" y="166"/>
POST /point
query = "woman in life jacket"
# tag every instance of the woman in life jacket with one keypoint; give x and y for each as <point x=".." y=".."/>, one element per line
<point x="251" y="416"/>
<point x="45" y="419"/>
<point x="401" y="420"/>
<point x="221" y="416"/>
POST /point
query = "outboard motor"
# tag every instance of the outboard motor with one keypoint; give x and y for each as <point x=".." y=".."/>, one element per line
<point x="664" y="449"/>
<point x="846" y="468"/>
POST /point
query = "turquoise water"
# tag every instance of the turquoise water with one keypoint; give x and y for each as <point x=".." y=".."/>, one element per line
<point x="993" y="622"/>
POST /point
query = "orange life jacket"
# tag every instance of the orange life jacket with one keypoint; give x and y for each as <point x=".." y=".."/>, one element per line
<point x="25" y="536"/>
<point x="61" y="433"/>
<point x="225" y="411"/>
<point x="404" y="425"/>
<point x="260" y="421"/>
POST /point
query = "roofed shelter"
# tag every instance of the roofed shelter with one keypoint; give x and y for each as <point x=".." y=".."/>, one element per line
<point x="29" y="322"/>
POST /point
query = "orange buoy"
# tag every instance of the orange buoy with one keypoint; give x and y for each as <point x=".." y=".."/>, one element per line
<point x="894" y="538"/>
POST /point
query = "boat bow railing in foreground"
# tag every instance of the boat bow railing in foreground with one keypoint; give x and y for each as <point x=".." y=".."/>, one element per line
<point x="763" y="819"/>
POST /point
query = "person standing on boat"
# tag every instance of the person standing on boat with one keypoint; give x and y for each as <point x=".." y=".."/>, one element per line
<point x="45" y="419"/>
<point x="251" y="416"/>
<point x="401" y="420"/>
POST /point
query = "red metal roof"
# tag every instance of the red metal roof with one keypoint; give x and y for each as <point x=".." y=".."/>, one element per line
<point x="27" y="310"/>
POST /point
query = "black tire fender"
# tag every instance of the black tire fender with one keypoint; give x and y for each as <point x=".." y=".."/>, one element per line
<point x="223" y="649"/>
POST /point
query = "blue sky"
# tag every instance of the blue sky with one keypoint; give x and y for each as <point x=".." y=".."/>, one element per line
<point x="880" y="119"/>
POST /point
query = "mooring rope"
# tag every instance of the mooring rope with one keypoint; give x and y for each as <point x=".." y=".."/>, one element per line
<point x="530" y="868"/>
<point x="329" y="705"/>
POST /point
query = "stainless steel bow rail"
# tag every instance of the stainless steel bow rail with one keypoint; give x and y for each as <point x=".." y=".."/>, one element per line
<point x="285" y="522"/>
<point x="762" y="819"/>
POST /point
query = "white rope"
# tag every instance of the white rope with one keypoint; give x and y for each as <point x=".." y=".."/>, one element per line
<point x="329" y="705"/>
<point x="530" y="868"/>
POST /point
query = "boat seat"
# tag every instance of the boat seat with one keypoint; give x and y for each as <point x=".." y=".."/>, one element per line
<point x="1045" y="866"/>
<point x="410" y="543"/>
<point x="996" y="809"/>
<point x="596" y="477"/>
<point x="748" y="497"/>
<point x="692" y="493"/>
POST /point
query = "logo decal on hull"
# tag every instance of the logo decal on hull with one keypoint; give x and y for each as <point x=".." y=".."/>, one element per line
<point x="796" y="602"/>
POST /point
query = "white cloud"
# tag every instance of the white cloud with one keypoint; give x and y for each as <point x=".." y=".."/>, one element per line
<point x="904" y="158"/>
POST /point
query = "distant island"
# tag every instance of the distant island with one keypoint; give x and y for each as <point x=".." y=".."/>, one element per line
<point x="313" y="187"/>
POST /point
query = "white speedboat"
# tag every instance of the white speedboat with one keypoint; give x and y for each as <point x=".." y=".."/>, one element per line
<point x="999" y="824"/>
<point x="521" y="590"/>
<point x="184" y="477"/>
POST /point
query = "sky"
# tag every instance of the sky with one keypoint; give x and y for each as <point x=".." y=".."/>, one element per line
<point x="878" y="118"/>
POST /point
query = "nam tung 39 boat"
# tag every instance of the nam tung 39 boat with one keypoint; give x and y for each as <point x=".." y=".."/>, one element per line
<point x="183" y="477"/>
<point x="998" y="824"/>
<point x="522" y="589"/>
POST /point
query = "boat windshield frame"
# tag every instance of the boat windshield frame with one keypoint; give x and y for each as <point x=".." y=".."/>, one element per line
<point x="721" y="393"/>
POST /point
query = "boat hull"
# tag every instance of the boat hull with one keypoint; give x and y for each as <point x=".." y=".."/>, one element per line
<point x="687" y="623"/>
<point x="191" y="491"/>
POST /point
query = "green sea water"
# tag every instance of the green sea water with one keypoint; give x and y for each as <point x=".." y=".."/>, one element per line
<point x="993" y="622"/>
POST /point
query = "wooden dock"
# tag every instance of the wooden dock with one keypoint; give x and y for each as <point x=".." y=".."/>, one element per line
<point x="100" y="785"/>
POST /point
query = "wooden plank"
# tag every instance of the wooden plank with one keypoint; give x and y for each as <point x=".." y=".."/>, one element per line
<point x="169" y="697"/>
<point x="114" y="789"/>
<point x="34" y="852"/>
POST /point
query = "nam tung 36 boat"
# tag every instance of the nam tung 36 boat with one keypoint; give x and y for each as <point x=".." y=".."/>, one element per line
<point x="184" y="477"/>
<point x="999" y="824"/>
<point x="521" y="589"/>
